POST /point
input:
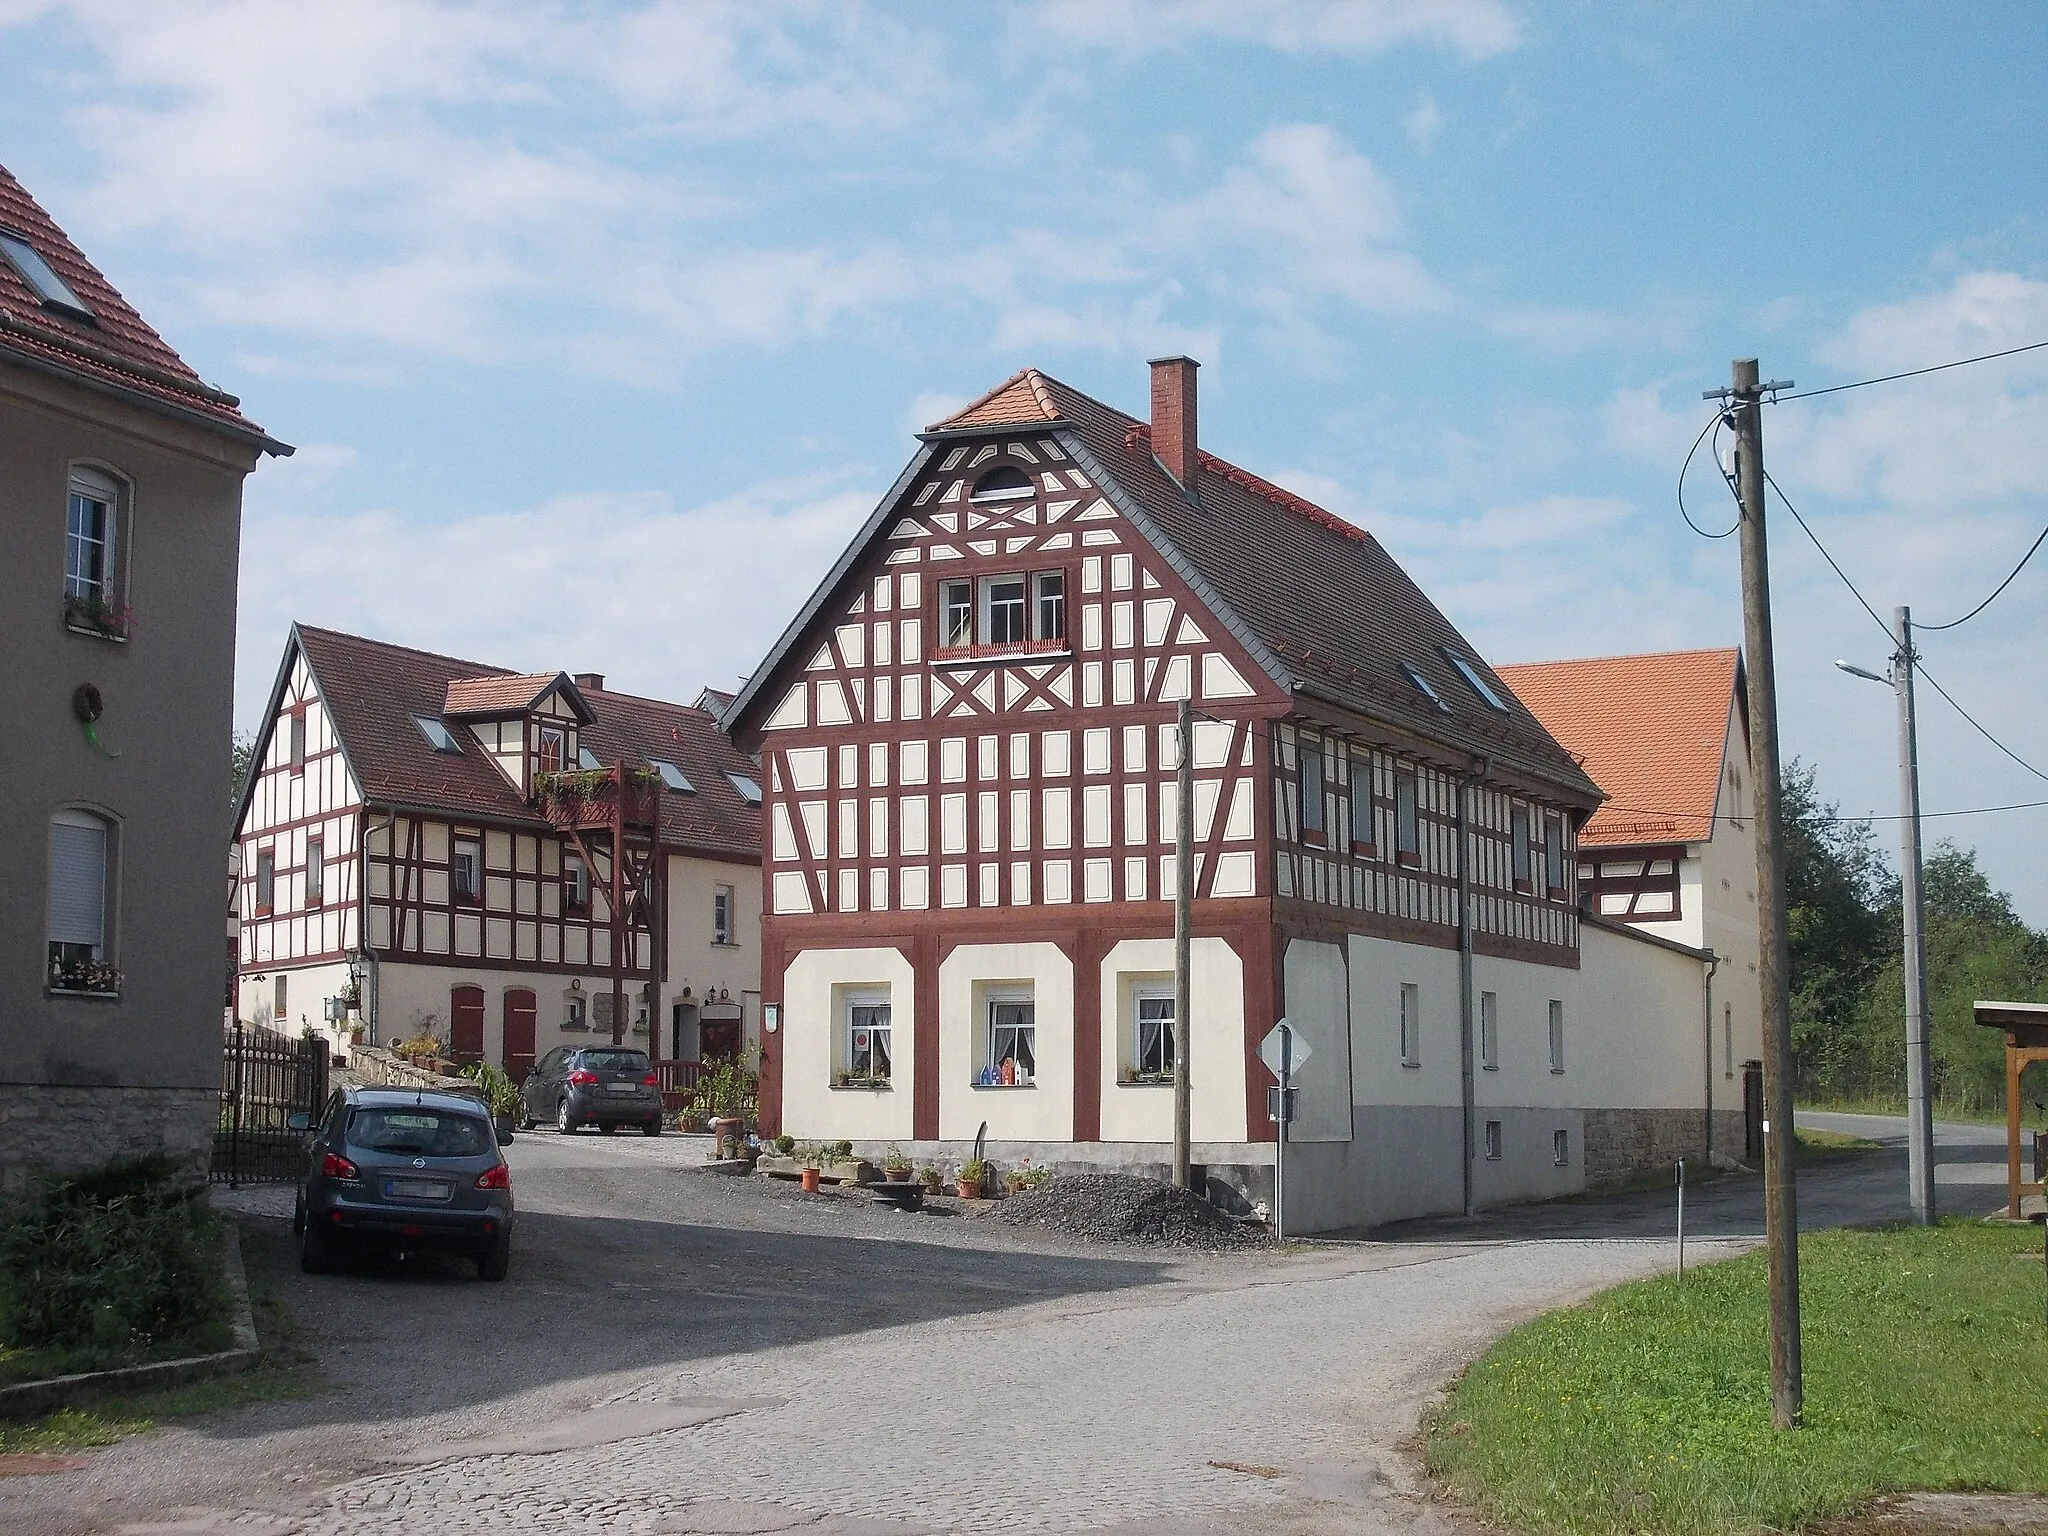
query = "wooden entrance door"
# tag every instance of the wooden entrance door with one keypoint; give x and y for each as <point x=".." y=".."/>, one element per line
<point x="519" y="1017"/>
<point x="718" y="1039"/>
<point x="466" y="1024"/>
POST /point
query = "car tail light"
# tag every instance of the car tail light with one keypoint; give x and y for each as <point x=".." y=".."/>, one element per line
<point x="499" y="1177"/>
<point x="651" y="1080"/>
<point x="335" y="1166"/>
<point x="582" y="1077"/>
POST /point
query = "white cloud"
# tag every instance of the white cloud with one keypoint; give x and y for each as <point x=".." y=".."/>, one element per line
<point x="1472" y="28"/>
<point x="1425" y="120"/>
<point x="931" y="406"/>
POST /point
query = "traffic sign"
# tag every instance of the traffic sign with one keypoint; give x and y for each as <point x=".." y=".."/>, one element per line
<point x="1269" y="1049"/>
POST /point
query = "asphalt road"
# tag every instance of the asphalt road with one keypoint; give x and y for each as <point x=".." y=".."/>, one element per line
<point x="679" y="1352"/>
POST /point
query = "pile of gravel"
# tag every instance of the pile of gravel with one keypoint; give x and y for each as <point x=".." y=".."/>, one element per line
<point x="1118" y="1208"/>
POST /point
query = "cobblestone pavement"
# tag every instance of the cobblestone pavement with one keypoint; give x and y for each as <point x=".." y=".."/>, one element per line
<point x="679" y="1352"/>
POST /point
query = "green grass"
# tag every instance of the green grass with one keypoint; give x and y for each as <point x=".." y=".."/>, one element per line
<point x="1822" y="1145"/>
<point x="1648" y="1408"/>
<point x="115" y="1418"/>
<point x="1957" y="1111"/>
<point x="19" y="1365"/>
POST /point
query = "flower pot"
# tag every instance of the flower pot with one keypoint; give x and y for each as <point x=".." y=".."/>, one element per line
<point x="898" y="1175"/>
<point x="967" y="1189"/>
<point x="810" y="1181"/>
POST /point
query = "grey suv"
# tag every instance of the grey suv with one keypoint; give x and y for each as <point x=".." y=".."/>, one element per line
<point x="602" y="1085"/>
<point x="403" y="1170"/>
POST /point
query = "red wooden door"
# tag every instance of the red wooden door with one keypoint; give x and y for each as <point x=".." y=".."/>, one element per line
<point x="519" y="1016"/>
<point x="466" y="1023"/>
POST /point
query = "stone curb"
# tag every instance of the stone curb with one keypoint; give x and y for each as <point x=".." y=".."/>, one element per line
<point x="30" y="1398"/>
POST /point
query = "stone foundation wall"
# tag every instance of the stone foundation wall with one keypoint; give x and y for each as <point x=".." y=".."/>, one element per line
<point x="1623" y="1145"/>
<point x="49" y="1129"/>
<point x="373" y="1064"/>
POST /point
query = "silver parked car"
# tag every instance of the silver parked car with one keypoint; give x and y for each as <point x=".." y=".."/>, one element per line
<point x="404" y="1170"/>
<point x="602" y="1085"/>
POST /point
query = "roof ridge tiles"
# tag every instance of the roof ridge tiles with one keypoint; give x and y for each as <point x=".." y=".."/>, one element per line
<point x="1258" y="485"/>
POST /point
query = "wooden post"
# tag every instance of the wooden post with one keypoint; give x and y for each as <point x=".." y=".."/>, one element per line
<point x="1183" y="943"/>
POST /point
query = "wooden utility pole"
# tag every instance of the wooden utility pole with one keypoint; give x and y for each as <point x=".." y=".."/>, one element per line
<point x="1781" y="1208"/>
<point x="1183" y="942"/>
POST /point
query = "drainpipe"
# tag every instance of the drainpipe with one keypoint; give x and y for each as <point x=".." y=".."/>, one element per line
<point x="1707" y="1040"/>
<point x="369" y="951"/>
<point x="1467" y="1084"/>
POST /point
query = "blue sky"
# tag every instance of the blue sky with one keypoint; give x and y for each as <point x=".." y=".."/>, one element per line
<point x="601" y="328"/>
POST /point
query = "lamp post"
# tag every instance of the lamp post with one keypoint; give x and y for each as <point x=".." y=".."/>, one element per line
<point x="1919" y="1066"/>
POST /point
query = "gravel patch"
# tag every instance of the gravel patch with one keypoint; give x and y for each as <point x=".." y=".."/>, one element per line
<point x="1120" y="1208"/>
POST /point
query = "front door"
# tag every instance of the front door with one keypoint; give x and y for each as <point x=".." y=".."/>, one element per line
<point x="466" y="1024"/>
<point x="519" y="1016"/>
<point x="718" y="1039"/>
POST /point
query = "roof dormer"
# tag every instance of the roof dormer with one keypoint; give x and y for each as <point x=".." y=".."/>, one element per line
<point x="526" y="723"/>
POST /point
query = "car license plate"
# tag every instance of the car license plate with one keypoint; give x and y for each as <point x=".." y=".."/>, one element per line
<point x="621" y="1087"/>
<point x="416" y="1189"/>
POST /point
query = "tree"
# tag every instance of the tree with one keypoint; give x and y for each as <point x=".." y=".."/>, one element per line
<point x="243" y="759"/>
<point x="1837" y="887"/>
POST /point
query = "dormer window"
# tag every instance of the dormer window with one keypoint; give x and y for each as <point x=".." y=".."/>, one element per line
<point x="1002" y="484"/>
<point x="554" y="749"/>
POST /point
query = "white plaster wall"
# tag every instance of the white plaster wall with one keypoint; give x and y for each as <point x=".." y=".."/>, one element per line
<point x="1041" y="1112"/>
<point x="307" y="989"/>
<point x="1634" y="1039"/>
<point x="812" y="1109"/>
<point x="1216" y="1062"/>
<point x="1524" y="1077"/>
<point x="706" y="968"/>
<point x="407" y="993"/>
<point x="1318" y="1003"/>
<point x="1378" y="968"/>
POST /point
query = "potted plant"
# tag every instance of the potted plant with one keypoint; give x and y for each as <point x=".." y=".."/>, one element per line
<point x="930" y="1179"/>
<point x="785" y="1144"/>
<point x="968" y="1185"/>
<point x="808" y="1156"/>
<point x="1016" y="1181"/>
<point x="896" y="1164"/>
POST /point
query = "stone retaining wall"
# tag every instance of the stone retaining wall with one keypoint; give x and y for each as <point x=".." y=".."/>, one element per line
<point x="1623" y="1145"/>
<point x="374" y="1064"/>
<point x="47" y="1128"/>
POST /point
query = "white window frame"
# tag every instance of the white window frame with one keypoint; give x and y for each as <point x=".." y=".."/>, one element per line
<point x="956" y="614"/>
<point x="1049" y="607"/>
<point x="575" y="883"/>
<point x="295" y="740"/>
<point x="1489" y="1031"/>
<point x="985" y="603"/>
<point x="559" y="734"/>
<point x="859" y="1009"/>
<point x="475" y="852"/>
<point x="1023" y="1032"/>
<point x="85" y="920"/>
<point x="1169" y="1031"/>
<point x="1521" y="866"/>
<point x="1493" y="1141"/>
<point x="1561" y="1148"/>
<point x="1557" y="1037"/>
<point x="265" y="882"/>
<point x="92" y="488"/>
<point x="1411" y="1024"/>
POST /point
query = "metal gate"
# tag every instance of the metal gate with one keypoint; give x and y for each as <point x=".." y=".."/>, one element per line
<point x="265" y="1078"/>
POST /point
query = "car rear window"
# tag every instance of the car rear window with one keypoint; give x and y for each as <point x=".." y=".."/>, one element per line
<point x="420" y="1132"/>
<point x="615" y="1061"/>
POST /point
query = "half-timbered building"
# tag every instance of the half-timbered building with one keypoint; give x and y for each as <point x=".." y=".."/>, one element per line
<point x="969" y="756"/>
<point x="509" y="861"/>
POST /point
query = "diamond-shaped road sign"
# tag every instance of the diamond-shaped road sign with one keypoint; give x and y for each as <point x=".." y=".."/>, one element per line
<point x="1269" y="1049"/>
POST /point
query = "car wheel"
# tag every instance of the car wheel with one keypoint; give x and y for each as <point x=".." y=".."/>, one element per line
<point x="299" y="1214"/>
<point x="526" y="1121"/>
<point x="496" y="1264"/>
<point x="565" y="1118"/>
<point x="652" y="1128"/>
<point x="316" y="1254"/>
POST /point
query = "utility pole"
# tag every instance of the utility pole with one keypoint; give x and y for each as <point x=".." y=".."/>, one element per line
<point x="1781" y="1209"/>
<point x="1183" y="941"/>
<point x="1919" y="1110"/>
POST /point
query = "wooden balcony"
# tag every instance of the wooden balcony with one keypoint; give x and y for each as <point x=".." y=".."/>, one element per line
<point x="590" y="800"/>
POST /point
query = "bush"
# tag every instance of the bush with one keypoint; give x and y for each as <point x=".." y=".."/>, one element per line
<point x="499" y="1090"/>
<point x="727" y="1090"/>
<point x="118" y="1261"/>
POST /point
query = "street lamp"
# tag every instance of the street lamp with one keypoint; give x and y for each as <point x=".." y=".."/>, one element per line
<point x="1919" y="1067"/>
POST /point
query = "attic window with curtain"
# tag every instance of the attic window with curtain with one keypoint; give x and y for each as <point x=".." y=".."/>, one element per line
<point x="673" y="777"/>
<point x="750" y="789"/>
<point x="1479" y="685"/>
<point x="1422" y="686"/>
<point x="1002" y="484"/>
<point x="39" y="275"/>
<point x="439" y="737"/>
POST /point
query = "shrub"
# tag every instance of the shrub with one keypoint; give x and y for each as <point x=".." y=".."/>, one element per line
<point x="118" y="1260"/>
<point x="499" y="1089"/>
<point x="785" y="1144"/>
<point x="727" y="1090"/>
<point x="840" y="1151"/>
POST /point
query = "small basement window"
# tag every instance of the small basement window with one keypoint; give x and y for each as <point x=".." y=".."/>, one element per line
<point x="750" y="789"/>
<point x="439" y="737"/>
<point x="674" y="778"/>
<point x="1478" y="684"/>
<point x="41" y="276"/>
<point x="1422" y="686"/>
<point x="1002" y="483"/>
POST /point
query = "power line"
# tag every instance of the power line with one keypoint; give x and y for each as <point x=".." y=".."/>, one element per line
<point x="1975" y="810"/>
<point x="1717" y="418"/>
<point x="1832" y="565"/>
<point x="1913" y="373"/>
<point x="2008" y="751"/>
<point x="1953" y="623"/>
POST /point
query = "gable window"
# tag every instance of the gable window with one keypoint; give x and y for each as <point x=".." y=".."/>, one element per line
<point x="867" y="1039"/>
<point x="1364" y="834"/>
<point x="54" y="292"/>
<point x="1489" y="1031"/>
<point x="673" y="777"/>
<point x="1003" y="483"/>
<point x="1153" y="1058"/>
<point x="316" y="872"/>
<point x="1556" y="1035"/>
<point x="81" y="849"/>
<point x="266" y="882"/>
<point x="575" y="883"/>
<point x="1015" y="608"/>
<point x="295" y="740"/>
<point x="721" y="914"/>
<point x="1407" y="819"/>
<point x="466" y="868"/>
<point x="1518" y="846"/>
<point x="1473" y="680"/>
<point x="554" y="749"/>
<point x="1010" y="1055"/>
<point x="1051" y="587"/>
<point x="1411" y="1024"/>
<point x="439" y="737"/>
<point x="1311" y="777"/>
<point x="1553" y="855"/>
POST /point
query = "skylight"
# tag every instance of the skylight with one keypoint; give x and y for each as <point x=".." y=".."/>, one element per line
<point x="49" y="287"/>
<point x="673" y="777"/>
<point x="585" y="758"/>
<point x="1471" y="675"/>
<point x="750" y="790"/>
<point x="439" y="737"/>
<point x="1422" y="685"/>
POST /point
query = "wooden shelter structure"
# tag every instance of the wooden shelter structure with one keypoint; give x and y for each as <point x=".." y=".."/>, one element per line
<point x="2026" y="1042"/>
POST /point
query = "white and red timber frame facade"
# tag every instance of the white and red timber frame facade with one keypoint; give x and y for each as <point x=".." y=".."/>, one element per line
<point x="427" y="843"/>
<point x="969" y="754"/>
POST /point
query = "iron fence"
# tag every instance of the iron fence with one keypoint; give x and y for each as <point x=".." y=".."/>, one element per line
<point x="265" y="1078"/>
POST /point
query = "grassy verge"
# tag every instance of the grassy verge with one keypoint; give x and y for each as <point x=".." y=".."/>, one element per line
<point x="115" y="1418"/>
<point x="1648" y="1408"/>
<point x="1820" y="1146"/>
<point x="1953" y="1110"/>
<point x="18" y="1365"/>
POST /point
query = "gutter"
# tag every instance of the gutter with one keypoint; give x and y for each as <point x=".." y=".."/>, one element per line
<point x="1707" y="1041"/>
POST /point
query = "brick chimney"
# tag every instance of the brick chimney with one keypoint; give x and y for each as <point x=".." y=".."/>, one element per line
<point x="593" y="680"/>
<point x="1173" y="415"/>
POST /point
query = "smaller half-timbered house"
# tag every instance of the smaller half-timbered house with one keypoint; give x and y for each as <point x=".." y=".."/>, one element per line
<point x="509" y="861"/>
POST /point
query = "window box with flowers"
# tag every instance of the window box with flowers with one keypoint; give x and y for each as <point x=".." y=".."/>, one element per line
<point x="73" y="977"/>
<point x="94" y="612"/>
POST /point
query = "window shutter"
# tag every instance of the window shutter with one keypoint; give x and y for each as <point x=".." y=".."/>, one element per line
<point x="78" y="881"/>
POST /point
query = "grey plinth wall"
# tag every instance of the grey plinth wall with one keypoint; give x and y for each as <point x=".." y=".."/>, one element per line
<point x="59" y="1129"/>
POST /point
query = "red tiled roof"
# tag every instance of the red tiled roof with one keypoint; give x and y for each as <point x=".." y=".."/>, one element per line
<point x="1319" y="593"/>
<point x="506" y="695"/>
<point x="373" y="689"/>
<point x="120" y="349"/>
<point x="1651" y="730"/>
